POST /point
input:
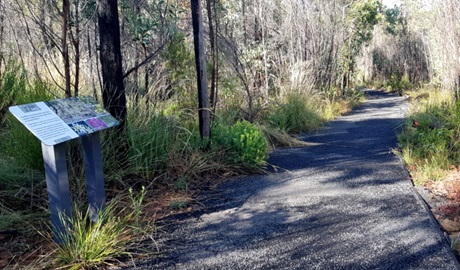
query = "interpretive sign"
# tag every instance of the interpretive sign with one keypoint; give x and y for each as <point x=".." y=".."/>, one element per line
<point x="54" y="123"/>
<point x="60" y="120"/>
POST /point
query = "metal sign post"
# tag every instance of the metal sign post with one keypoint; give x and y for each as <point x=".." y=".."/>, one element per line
<point x="57" y="184"/>
<point x="92" y="156"/>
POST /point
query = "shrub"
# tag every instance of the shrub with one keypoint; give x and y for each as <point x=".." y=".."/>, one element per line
<point x="243" y="142"/>
<point x="399" y="82"/>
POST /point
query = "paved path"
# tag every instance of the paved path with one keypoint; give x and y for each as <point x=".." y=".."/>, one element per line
<point x="345" y="203"/>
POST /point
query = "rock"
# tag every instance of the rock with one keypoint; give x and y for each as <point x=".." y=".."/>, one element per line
<point x="455" y="241"/>
<point x="450" y="225"/>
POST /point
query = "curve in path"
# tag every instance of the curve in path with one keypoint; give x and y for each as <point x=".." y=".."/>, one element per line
<point x="345" y="203"/>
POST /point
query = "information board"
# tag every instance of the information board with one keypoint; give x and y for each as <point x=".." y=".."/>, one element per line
<point x="61" y="120"/>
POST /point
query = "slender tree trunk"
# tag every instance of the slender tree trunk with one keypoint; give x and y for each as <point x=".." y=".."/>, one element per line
<point x="76" y="45"/>
<point x="42" y="24"/>
<point x="200" y="61"/>
<point x="146" y="70"/>
<point x="213" y="53"/>
<point x="113" y="90"/>
<point x="90" y="57"/>
<point x="245" y="30"/>
<point x="65" y="46"/>
<point x="2" y="23"/>
<point x="216" y="67"/>
<point x="136" y="60"/>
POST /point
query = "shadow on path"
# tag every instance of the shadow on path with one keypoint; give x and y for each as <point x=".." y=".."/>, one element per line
<point x="345" y="203"/>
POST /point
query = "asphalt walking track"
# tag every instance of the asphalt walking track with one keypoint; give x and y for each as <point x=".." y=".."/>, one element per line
<point x="344" y="203"/>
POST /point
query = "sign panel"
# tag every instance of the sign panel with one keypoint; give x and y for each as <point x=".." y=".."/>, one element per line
<point x="60" y="120"/>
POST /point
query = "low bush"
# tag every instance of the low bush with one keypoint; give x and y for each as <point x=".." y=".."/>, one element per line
<point x="243" y="142"/>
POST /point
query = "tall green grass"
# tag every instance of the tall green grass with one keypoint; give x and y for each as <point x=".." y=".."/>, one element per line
<point x="18" y="146"/>
<point x="152" y="136"/>
<point x="430" y="141"/>
<point x="295" y="114"/>
<point x="90" y="245"/>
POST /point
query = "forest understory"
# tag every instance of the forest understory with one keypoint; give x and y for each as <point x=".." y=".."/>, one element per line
<point x="203" y="91"/>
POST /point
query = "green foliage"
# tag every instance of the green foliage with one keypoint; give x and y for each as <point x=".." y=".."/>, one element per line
<point x="362" y="17"/>
<point x="12" y="82"/>
<point x="19" y="143"/>
<point x="156" y="17"/>
<point x="88" y="244"/>
<point x="178" y="204"/>
<point x="151" y="138"/>
<point x="179" y="60"/>
<point x="431" y="139"/>
<point x="393" y="21"/>
<point x="296" y="115"/>
<point x="398" y="82"/>
<point x="243" y="142"/>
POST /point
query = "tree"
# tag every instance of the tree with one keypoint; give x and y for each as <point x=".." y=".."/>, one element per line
<point x="113" y="90"/>
<point x="2" y="19"/>
<point x="65" y="45"/>
<point x="212" y="40"/>
<point x="362" y="17"/>
<point x="200" y="61"/>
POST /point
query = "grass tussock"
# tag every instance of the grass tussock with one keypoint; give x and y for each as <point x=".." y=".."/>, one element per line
<point x="89" y="244"/>
<point x="430" y="141"/>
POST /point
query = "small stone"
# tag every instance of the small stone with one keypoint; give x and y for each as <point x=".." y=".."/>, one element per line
<point x="450" y="225"/>
<point x="455" y="240"/>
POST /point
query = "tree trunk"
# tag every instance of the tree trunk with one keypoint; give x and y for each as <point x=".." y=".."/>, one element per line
<point x="76" y="45"/>
<point x="216" y="55"/>
<point x="213" y="53"/>
<point x="245" y="31"/>
<point x="200" y="61"/>
<point x="2" y="19"/>
<point x="113" y="90"/>
<point x="146" y="74"/>
<point x="65" y="46"/>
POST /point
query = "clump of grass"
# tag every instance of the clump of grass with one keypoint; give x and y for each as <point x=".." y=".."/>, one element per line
<point x="430" y="141"/>
<point x="296" y="114"/>
<point x="152" y="136"/>
<point x="334" y="105"/>
<point x="178" y="204"/>
<point x="89" y="244"/>
<point x="277" y="137"/>
<point x="12" y="82"/>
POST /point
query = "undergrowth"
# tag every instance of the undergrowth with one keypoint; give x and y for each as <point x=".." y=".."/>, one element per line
<point x="88" y="244"/>
<point x="164" y="149"/>
<point x="430" y="141"/>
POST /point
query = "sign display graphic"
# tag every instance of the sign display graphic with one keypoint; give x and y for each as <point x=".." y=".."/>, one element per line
<point x="61" y="120"/>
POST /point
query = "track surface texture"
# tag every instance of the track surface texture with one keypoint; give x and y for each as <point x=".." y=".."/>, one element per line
<point x="344" y="203"/>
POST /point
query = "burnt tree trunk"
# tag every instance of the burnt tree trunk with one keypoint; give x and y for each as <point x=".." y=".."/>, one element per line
<point x="213" y="54"/>
<point x="113" y="90"/>
<point x="200" y="61"/>
<point x="2" y="18"/>
<point x="65" y="46"/>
